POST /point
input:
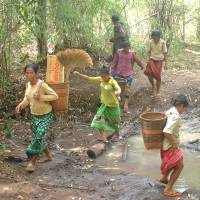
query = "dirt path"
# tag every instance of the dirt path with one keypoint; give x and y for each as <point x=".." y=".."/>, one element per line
<point x="71" y="175"/>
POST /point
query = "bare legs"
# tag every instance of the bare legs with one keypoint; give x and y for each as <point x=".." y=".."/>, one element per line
<point x="164" y="178"/>
<point x="175" y="173"/>
<point x="48" y="156"/>
<point x="31" y="164"/>
<point x="103" y="136"/>
<point x="35" y="158"/>
<point x="155" y="90"/>
<point x="158" y="84"/>
<point x="126" y="105"/>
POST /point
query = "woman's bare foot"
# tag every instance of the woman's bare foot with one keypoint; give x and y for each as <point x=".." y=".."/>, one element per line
<point x="171" y="193"/>
<point x="30" y="167"/>
<point x="153" y="93"/>
<point x="47" y="159"/>
<point x="102" y="139"/>
<point x="126" y="109"/>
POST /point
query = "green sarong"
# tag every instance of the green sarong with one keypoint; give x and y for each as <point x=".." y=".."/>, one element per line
<point x="107" y="119"/>
<point x="40" y="125"/>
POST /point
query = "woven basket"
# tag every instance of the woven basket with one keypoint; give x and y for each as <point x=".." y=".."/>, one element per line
<point x="152" y="129"/>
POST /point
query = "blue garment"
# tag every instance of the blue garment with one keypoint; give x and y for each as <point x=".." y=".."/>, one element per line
<point x="128" y="79"/>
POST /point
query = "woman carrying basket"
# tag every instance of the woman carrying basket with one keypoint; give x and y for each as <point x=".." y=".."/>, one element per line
<point x="38" y="96"/>
<point x="171" y="154"/>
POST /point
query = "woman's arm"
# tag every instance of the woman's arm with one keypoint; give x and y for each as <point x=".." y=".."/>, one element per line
<point x="115" y="62"/>
<point x="168" y="130"/>
<point x="49" y="93"/>
<point x="149" y="50"/>
<point x="24" y="103"/>
<point x="137" y="60"/>
<point x="117" y="88"/>
<point x="171" y="140"/>
<point x="118" y="91"/>
<point x="82" y="76"/>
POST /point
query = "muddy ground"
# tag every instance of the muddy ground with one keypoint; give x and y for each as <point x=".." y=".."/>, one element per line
<point x="72" y="175"/>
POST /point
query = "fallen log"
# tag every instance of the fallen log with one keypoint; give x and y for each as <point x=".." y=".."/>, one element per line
<point x="95" y="150"/>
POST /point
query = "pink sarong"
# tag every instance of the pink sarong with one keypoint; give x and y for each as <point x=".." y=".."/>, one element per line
<point x="170" y="159"/>
<point x="154" y="68"/>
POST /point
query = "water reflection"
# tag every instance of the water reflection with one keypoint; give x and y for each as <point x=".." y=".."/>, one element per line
<point x="147" y="163"/>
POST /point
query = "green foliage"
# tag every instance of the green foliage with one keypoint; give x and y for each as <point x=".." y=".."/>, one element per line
<point x="26" y="25"/>
<point x="33" y="14"/>
<point x="8" y="131"/>
<point x="2" y="147"/>
<point x="139" y="47"/>
<point x="82" y="24"/>
<point x="167" y="18"/>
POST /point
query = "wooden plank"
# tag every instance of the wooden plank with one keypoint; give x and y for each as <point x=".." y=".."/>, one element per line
<point x="125" y="151"/>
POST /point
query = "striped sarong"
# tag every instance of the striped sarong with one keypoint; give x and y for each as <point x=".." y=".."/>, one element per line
<point x="170" y="159"/>
<point x="154" y="68"/>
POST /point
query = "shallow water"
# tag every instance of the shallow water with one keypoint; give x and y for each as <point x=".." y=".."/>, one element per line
<point x="147" y="163"/>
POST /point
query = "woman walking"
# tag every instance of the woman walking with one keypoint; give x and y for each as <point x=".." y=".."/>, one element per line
<point x="157" y="55"/>
<point x="107" y="118"/>
<point x="123" y="64"/>
<point x="171" y="154"/>
<point x="38" y="96"/>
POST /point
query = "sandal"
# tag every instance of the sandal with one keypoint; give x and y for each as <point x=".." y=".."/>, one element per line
<point x="171" y="193"/>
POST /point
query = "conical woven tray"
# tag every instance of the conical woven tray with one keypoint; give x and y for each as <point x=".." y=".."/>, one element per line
<point x="74" y="58"/>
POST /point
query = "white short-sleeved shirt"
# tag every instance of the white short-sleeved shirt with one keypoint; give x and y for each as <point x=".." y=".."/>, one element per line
<point x="157" y="50"/>
<point x="172" y="127"/>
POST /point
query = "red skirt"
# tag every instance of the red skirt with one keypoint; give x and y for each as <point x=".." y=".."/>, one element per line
<point x="170" y="159"/>
<point x="154" y="68"/>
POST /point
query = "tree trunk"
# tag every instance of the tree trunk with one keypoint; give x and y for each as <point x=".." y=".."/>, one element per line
<point x="42" y="33"/>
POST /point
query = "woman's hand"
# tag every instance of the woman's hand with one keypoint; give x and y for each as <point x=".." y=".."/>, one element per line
<point x="18" y="109"/>
<point x="75" y="73"/>
<point x="117" y="93"/>
<point x="174" y="146"/>
<point x="142" y="67"/>
<point x="36" y="95"/>
<point x="164" y="65"/>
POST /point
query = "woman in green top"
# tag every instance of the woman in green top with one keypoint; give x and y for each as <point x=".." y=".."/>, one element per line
<point x="107" y="118"/>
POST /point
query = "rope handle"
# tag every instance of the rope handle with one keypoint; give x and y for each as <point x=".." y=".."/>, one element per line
<point x="39" y="86"/>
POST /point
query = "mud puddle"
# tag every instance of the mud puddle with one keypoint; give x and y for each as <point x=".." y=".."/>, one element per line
<point x="147" y="163"/>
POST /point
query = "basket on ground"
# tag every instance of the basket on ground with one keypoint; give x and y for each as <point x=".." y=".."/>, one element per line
<point x="152" y="129"/>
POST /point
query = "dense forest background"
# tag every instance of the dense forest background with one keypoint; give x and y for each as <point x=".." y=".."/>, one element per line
<point x="31" y="29"/>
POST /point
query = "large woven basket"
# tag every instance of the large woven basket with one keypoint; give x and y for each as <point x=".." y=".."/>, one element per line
<point x="152" y="129"/>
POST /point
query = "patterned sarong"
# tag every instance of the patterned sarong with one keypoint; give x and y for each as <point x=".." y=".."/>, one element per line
<point x="154" y="68"/>
<point x="170" y="159"/>
<point x="107" y="119"/>
<point x="40" y="126"/>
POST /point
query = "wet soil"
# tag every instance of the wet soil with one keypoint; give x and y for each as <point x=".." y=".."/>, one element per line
<point x="71" y="174"/>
